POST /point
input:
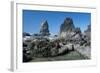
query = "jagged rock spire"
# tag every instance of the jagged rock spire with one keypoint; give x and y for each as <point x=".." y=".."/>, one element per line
<point x="44" y="30"/>
<point x="67" y="25"/>
<point x="88" y="29"/>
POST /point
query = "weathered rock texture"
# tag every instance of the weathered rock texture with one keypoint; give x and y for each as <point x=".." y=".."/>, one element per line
<point x="44" y="30"/>
<point x="67" y="28"/>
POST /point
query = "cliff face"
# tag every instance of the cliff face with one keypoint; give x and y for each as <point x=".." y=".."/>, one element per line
<point x="44" y="30"/>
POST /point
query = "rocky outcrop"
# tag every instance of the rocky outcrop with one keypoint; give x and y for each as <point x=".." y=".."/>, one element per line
<point x="67" y="28"/>
<point x="44" y="30"/>
<point x="88" y="29"/>
<point x="74" y="35"/>
<point x="26" y="34"/>
<point x="77" y="36"/>
<point x="87" y="34"/>
<point x="71" y="39"/>
<point x="67" y="25"/>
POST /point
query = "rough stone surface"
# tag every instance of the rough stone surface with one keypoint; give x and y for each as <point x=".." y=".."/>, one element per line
<point x="66" y="26"/>
<point x="88" y="32"/>
<point x="71" y="39"/>
<point x="26" y="34"/>
<point x="44" y="30"/>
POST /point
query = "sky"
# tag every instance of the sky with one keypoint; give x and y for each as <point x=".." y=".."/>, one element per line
<point x="32" y="20"/>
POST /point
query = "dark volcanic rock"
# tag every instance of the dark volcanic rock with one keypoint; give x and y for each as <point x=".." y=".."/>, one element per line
<point x="44" y="31"/>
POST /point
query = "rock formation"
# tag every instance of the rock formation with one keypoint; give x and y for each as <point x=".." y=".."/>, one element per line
<point x="26" y="34"/>
<point x="87" y="34"/>
<point x="88" y="29"/>
<point x="67" y="25"/>
<point x="44" y="30"/>
<point x="67" y="28"/>
<point x="77" y="34"/>
<point x="71" y="39"/>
